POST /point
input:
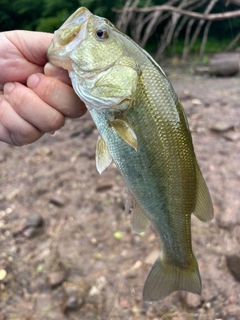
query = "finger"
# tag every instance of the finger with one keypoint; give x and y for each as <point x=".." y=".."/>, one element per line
<point x="14" y="129"/>
<point x="57" y="94"/>
<point x="52" y="71"/>
<point x="25" y="54"/>
<point x="32" y="109"/>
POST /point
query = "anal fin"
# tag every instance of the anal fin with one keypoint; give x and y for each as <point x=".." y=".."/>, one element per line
<point x="103" y="157"/>
<point x="204" y="207"/>
<point x="138" y="219"/>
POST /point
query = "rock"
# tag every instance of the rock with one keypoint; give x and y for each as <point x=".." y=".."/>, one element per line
<point x="30" y="232"/>
<point x="103" y="185"/>
<point x="59" y="200"/>
<point x="3" y="274"/>
<point x="193" y="300"/>
<point x="151" y="258"/>
<point x="132" y="272"/>
<point x="233" y="263"/>
<point x="221" y="126"/>
<point x="74" y="294"/>
<point x="96" y="289"/>
<point x="32" y="227"/>
<point x="232" y="136"/>
<point x="34" y="220"/>
<point x="56" y="278"/>
<point x="196" y="102"/>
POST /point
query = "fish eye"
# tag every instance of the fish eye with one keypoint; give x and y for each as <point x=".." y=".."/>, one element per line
<point x="101" y="34"/>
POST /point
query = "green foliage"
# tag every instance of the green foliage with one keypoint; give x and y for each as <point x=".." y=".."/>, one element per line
<point x="48" y="15"/>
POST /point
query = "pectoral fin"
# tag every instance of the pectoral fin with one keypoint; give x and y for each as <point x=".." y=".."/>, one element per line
<point x="103" y="157"/>
<point x="125" y="131"/>
<point x="204" y="207"/>
<point x="139" y="221"/>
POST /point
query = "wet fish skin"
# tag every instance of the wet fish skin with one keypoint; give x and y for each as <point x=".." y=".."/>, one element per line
<point x="143" y="128"/>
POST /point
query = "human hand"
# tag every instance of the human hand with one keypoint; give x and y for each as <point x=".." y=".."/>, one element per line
<point x="33" y="99"/>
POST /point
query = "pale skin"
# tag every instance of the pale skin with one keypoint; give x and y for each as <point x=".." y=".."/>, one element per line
<point x="35" y="96"/>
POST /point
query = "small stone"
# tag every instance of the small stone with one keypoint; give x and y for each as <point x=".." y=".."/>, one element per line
<point x="151" y="258"/>
<point x="59" y="200"/>
<point x="74" y="294"/>
<point x="196" y="102"/>
<point x="3" y="274"/>
<point x="221" y="126"/>
<point x="103" y="185"/>
<point x="232" y="136"/>
<point x="56" y="278"/>
<point x="132" y="272"/>
<point x="193" y="300"/>
<point x="233" y="263"/>
<point x="30" y="232"/>
<point x="34" y="220"/>
<point x="31" y="227"/>
<point x="125" y="303"/>
<point x="100" y="284"/>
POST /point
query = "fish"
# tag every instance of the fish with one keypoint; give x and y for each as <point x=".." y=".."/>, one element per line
<point x="143" y="129"/>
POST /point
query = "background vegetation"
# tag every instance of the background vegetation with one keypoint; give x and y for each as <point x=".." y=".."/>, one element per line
<point x="48" y="15"/>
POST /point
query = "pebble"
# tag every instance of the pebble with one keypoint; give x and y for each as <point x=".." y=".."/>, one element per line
<point x="59" y="200"/>
<point x="191" y="300"/>
<point x="232" y="136"/>
<point x="74" y="294"/>
<point x="196" y="102"/>
<point x="221" y="126"/>
<point x="103" y="185"/>
<point x="3" y="274"/>
<point x="56" y="278"/>
<point x="132" y="272"/>
<point x="34" y="220"/>
<point x="151" y="258"/>
<point x="233" y="263"/>
<point x="33" y="226"/>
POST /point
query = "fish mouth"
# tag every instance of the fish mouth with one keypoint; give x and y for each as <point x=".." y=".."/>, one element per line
<point x="67" y="38"/>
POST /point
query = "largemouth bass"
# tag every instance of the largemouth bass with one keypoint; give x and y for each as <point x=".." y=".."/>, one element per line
<point x="143" y="129"/>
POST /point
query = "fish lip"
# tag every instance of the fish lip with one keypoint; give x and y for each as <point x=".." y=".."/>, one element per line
<point x="61" y="45"/>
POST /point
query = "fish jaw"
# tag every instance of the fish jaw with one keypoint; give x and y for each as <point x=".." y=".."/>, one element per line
<point x="67" y="38"/>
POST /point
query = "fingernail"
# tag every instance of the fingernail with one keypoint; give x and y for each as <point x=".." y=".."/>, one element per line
<point x="8" y="87"/>
<point x="51" y="70"/>
<point x="32" y="81"/>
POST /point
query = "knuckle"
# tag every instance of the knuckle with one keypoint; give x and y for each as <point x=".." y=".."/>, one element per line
<point x="55" y="122"/>
<point x="51" y="91"/>
<point x="27" y="135"/>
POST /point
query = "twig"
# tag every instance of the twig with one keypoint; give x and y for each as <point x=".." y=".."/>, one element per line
<point x="187" y="37"/>
<point x="198" y="28"/>
<point x="233" y="42"/>
<point x="196" y="15"/>
<point x="204" y="40"/>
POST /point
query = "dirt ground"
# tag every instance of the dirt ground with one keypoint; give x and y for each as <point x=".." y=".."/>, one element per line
<point x="66" y="249"/>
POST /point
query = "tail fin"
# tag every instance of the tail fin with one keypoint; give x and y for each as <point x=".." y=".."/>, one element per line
<point x="165" y="278"/>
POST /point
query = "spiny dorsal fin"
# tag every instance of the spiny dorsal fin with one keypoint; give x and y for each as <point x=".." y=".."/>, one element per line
<point x="139" y="221"/>
<point x="204" y="207"/>
<point x="125" y="131"/>
<point x="103" y="157"/>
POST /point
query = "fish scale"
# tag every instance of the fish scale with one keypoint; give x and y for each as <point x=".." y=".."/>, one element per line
<point x="144" y="130"/>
